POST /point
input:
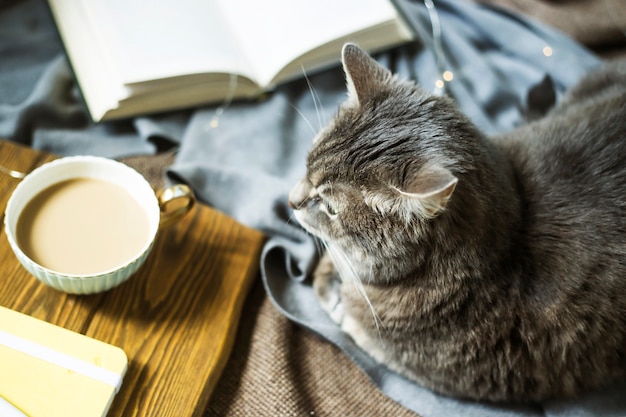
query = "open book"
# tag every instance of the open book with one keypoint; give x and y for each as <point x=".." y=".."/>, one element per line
<point x="144" y="56"/>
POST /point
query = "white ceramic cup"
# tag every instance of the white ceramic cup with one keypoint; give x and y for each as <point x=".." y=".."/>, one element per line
<point x="75" y="167"/>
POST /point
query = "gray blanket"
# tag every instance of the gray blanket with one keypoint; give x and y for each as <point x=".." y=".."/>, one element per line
<point x="244" y="157"/>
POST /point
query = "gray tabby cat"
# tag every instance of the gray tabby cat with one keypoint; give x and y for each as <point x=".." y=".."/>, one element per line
<point x="482" y="268"/>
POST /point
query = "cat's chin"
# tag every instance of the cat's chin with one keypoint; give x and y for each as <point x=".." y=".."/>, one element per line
<point x="301" y="217"/>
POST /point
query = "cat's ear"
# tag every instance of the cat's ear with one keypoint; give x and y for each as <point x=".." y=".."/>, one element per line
<point x="364" y="75"/>
<point x="429" y="189"/>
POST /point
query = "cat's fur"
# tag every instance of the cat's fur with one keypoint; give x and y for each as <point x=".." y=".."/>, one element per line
<point x="495" y="267"/>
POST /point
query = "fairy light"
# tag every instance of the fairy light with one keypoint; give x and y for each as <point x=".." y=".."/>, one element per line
<point x="547" y="51"/>
<point x="437" y="44"/>
<point x="446" y="75"/>
<point x="232" y="88"/>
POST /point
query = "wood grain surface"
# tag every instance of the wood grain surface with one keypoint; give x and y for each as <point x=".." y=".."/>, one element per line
<point x="176" y="318"/>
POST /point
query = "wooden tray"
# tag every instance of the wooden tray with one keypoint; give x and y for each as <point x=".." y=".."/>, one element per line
<point x="175" y="319"/>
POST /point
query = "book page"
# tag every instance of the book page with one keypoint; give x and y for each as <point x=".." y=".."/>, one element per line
<point x="159" y="38"/>
<point x="95" y="72"/>
<point x="274" y="32"/>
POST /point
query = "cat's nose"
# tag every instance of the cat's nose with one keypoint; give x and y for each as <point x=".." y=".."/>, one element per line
<point x="297" y="196"/>
<point x="295" y="203"/>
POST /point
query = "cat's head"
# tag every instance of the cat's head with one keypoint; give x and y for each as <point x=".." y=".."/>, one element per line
<point x="384" y="169"/>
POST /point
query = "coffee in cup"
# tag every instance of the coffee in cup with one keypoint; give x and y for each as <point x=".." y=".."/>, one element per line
<point x="85" y="224"/>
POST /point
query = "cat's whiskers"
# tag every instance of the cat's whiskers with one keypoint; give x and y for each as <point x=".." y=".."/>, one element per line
<point x="292" y="219"/>
<point x="316" y="101"/>
<point x="306" y="120"/>
<point x="319" y="245"/>
<point x="347" y="270"/>
<point x="369" y="279"/>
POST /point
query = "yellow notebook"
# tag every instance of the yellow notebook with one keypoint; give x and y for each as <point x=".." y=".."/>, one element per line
<point x="49" y="371"/>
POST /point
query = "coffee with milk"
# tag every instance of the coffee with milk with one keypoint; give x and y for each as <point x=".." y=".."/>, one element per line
<point x="83" y="226"/>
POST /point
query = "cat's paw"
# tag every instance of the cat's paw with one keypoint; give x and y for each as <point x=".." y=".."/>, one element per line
<point x="327" y="286"/>
<point x="353" y="328"/>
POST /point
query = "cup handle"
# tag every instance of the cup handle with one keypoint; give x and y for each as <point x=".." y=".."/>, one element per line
<point x="179" y="196"/>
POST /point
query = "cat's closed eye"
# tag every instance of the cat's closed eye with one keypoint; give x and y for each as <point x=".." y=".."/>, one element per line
<point x="326" y="203"/>
<point x="329" y="209"/>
